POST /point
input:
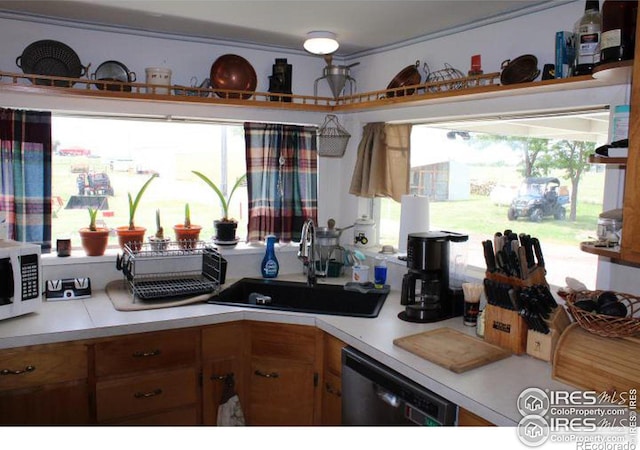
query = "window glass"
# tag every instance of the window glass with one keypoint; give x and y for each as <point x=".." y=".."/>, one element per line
<point x="98" y="161"/>
<point x="473" y="171"/>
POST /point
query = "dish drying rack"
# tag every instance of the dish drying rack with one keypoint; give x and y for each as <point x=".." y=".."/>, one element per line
<point x="172" y="271"/>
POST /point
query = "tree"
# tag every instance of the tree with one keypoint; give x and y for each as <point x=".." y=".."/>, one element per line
<point x="572" y="157"/>
<point x="532" y="149"/>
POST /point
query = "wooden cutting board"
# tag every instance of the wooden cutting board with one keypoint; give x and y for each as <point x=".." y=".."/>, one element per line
<point x="452" y="349"/>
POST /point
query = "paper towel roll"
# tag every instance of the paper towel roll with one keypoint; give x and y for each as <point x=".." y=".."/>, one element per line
<point x="414" y="218"/>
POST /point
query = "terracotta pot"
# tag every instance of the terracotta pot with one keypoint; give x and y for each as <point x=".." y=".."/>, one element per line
<point x="187" y="237"/>
<point x="94" y="243"/>
<point x="225" y="231"/>
<point x="134" y="237"/>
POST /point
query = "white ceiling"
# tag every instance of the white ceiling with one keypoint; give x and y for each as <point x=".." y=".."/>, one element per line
<point x="361" y="26"/>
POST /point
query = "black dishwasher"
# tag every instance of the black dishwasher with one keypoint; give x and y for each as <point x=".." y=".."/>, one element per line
<point x="373" y="394"/>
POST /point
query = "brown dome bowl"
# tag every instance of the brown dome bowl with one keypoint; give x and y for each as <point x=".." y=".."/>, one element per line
<point x="235" y="73"/>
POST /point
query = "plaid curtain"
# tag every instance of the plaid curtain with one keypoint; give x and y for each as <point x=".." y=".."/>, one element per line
<point x="282" y="178"/>
<point x="25" y="169"/>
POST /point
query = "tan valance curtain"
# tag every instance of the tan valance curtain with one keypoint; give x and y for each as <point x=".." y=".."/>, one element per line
<point x="382" y="167"/>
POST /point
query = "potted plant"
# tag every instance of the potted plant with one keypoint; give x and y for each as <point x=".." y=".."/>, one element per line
<point x="187" y="234"/>
<point x="131" y="234"/>
<point x="226" y="226"/>
<point x="158" y="242"/>
<point x="94" y="240"/>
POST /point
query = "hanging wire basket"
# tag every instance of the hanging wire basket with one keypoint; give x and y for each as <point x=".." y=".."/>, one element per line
<point x="332" y="138"/>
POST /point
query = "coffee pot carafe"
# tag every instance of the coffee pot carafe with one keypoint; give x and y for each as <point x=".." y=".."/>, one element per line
<point x="425" y="287"/>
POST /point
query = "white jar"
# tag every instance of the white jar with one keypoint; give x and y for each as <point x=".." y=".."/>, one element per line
<point x="158" y="76"/>
<point x="364" y="233"/>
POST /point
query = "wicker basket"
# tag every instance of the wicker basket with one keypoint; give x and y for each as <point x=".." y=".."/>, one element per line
<point x="332" y="138"/>
<point x="604" y="325"/>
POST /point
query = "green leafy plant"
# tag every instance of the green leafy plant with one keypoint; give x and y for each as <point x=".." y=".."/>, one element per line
<point x="187" y="216"/>
<point x="133" y="204"/>
<point x="93" y="212"/>
<point x="159" y="229"/>
<point x="223" y="201"/>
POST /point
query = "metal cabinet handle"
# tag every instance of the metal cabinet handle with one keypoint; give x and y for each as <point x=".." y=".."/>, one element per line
<point x="221" y="377"/>
<point x="153" y="393"/>
<point x="331" y="390"/>
<point x="17" y="372"/>
<point x="146" y="354"/>
<point x="267" y="375"/>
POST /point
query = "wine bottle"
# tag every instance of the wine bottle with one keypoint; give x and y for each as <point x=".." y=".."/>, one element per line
<point x="587" y="33"/>
<point x="618" y="35"/>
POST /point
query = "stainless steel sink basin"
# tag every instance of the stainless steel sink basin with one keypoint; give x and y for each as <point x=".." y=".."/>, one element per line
<point x="295" y="296"/>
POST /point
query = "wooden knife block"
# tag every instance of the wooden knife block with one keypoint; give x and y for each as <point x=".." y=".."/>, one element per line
<point x="505" y="328"/>
<point x="541" y="345"/>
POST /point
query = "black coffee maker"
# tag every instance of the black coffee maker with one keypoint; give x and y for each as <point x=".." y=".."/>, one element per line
<point x="425" y="287"/>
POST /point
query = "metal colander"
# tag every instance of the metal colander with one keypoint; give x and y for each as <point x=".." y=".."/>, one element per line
<point x="51" y="58"/>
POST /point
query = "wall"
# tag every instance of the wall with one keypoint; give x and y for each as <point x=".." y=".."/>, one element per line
<point x="496" y="42"/>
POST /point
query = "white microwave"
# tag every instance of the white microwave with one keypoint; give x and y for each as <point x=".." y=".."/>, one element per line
<point x="20" y="278"/>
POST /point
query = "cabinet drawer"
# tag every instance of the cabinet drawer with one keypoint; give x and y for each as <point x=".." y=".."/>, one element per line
<point x="146" y="351"/>
<point x="140" y="394"/>
<point x="284" y="341"/>
<point x="177" y="417"/>
<point x="42" y="364"/>
<point x="223" y="340"/>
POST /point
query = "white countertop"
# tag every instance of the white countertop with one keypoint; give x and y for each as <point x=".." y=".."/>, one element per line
<point x="489" y="391"/>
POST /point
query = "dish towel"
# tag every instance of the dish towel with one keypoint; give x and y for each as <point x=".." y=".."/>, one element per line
<point x="230" y="411"/>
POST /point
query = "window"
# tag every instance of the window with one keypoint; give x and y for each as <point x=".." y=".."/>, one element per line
<point x="472" y="170"/>
<point x="97" y="161"/>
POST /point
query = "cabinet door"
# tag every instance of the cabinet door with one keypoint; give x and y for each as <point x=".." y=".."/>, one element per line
<point x="281" y="392"/>
<point x="331" y="400"/>
<point x="214" y="376"/>
<point x="223" y="353"/>
<point x="59" y="404"/>
<point x="332" y="382"/>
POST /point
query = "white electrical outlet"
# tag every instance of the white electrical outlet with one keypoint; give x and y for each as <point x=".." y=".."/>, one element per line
<point x="4" y="227"/>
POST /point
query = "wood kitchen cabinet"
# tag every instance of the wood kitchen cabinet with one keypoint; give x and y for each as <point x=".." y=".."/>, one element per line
<point x="332" y="381"/>
<point x="148" y="378"/>
<point x="283" y="374"/>
<point x="45" y="385"/>
<point x="630" y="245"/>
<point x="469" y="419"/>
<point x="223" y="355"/>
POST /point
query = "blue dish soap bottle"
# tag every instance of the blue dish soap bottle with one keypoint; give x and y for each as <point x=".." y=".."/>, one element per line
<point x="270" y="264"/>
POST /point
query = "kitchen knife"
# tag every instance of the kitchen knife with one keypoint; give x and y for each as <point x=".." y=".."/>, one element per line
<point x="497" y="242"/>
<point x="524" y="267"/>
<point x="502" y="261"/>
<point x="538" y="251"/>
<point x="489" y="255"/>
<point x="525" y="241"/>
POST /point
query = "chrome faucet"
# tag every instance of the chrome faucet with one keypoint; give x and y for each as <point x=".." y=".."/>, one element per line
<point x="307" y="252"/>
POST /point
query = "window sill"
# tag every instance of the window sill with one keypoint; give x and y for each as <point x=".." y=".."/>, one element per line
<point x="78" y="256"/>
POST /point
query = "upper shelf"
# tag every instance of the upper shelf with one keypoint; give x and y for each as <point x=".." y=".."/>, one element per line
<point x="447" y="91"/>
<point x="597" y="159"/>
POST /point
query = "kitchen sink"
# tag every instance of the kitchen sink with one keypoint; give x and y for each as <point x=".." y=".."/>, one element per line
<point x="295" y="296"/>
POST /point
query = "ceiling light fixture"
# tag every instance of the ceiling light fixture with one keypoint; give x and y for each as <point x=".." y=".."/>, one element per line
<point x="321" y="42"/>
